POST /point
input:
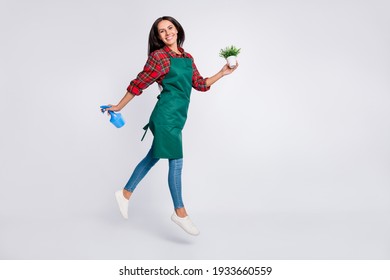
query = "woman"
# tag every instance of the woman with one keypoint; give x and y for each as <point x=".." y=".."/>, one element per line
<point x="175" y="72"/>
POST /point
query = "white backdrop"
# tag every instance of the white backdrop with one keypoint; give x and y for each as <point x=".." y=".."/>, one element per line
<point x="301" y="128"/>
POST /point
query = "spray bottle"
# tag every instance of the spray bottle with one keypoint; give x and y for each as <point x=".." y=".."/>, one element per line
<point x="116" y="118"/>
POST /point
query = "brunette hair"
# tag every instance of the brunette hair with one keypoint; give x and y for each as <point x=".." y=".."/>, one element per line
<point x="154" y="41"/>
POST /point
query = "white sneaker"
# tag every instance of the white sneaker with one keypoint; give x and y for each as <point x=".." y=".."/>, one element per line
<point x="123" y="203"/>
<point x="185" y="223"/>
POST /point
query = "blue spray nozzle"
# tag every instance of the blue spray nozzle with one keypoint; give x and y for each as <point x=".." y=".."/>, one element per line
<point x="116" y="118"/>
<point x="104" y="107"/>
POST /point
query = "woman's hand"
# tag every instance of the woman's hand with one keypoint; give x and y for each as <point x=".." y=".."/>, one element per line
<point x="226" y="70"/>
<point x="126" y="99"/>
<point x="114" y="108"/>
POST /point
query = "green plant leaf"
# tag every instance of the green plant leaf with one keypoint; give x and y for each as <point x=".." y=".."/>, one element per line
<point x="229" y="51"/>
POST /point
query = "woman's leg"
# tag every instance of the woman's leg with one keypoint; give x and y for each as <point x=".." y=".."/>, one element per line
<point x="180" y="216"/>
<point x="123" y="196"/>
<point x="174" y="182"/>
<point x="139" y="173"/>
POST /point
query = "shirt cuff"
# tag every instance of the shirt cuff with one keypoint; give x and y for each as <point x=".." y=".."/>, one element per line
<point x="134" y="90"/>
<point x="203" y="87"/>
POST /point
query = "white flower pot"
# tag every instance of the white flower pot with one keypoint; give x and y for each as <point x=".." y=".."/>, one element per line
<point x="232" y="61"/>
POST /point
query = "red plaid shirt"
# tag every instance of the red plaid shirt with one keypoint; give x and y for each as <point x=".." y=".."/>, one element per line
<point x="157" y="66"/>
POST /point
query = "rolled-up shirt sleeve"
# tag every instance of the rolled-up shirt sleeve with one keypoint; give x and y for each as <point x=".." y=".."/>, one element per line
<point x="150" y="73"/>
<point x="198" y="82"/>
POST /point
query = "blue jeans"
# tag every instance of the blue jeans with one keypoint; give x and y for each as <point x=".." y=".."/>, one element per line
<point x="174" y="177"/>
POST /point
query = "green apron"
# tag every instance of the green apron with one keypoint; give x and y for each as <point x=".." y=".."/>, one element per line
<point x="170" y="113"/>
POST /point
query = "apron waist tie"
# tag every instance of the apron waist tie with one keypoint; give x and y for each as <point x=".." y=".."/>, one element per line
<point x="146" y="127"/>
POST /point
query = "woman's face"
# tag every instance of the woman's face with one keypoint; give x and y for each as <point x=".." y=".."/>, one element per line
<point x="167" y="32"/>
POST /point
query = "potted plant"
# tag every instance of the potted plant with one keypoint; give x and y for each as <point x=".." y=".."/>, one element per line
<point x="230" y="54"/>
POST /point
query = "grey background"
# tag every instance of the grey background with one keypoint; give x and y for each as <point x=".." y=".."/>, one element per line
<point x="288" y="158"/>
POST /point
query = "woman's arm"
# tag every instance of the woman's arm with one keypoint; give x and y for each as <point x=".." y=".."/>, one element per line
<point x="226" y="70"/>
<point x="203" y="84"/>
<point x="126" y="99"/>
<point x="150" y="73"/>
